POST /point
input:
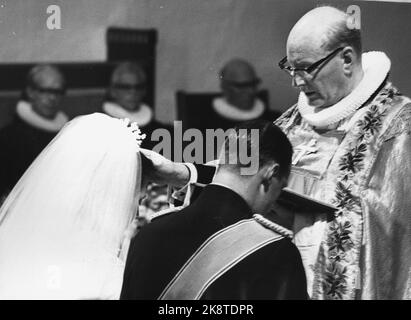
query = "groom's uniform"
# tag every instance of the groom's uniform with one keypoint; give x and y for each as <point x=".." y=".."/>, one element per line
<point x="212" y="249"/>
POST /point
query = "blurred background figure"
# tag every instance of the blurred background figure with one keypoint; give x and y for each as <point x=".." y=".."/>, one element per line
<point x="37" y="120"/>
<point x="239" y="102"/>
<point x="128" y="88"/>
<point x="241" y="99"/>
<point x="155" y="200"/>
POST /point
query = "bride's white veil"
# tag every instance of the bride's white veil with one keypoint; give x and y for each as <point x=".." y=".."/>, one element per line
<point x="63" y="225"/>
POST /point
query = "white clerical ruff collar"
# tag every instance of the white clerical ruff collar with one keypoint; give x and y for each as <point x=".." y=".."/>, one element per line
<point x="142" y="117"/>
<point x="376" y="66"/>
<point x="228" y="111"/>
<point x="27" y="114"/>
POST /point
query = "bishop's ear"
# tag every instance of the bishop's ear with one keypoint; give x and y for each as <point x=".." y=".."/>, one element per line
<point x="349" y="57"/>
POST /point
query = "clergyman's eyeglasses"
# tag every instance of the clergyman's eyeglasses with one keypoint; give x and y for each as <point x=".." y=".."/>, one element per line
<point x="305" y="72"/>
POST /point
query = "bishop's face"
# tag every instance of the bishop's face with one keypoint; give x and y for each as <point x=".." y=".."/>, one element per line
<point x="326" y="84"/>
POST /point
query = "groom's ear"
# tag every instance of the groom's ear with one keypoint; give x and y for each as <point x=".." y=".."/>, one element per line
<point x="270" y="171"/>
<point x="273" y="170"/>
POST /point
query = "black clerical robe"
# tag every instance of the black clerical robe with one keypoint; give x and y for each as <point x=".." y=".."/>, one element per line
<point x="160" y="249"/>
<point x="20" y="144"/>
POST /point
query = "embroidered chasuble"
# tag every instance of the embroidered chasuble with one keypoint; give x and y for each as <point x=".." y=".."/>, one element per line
<point x="309" y="176"/>
<point x="355" y="156"/>
<point x="312" y="163"/>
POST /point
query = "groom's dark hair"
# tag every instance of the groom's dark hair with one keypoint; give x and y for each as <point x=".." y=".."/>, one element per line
<point x="273" y="144"/>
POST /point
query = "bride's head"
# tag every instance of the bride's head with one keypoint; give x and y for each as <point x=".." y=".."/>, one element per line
<point x="85" y="182"/>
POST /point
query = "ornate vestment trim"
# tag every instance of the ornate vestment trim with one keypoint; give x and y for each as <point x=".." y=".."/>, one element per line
<point x="337" y="268"/>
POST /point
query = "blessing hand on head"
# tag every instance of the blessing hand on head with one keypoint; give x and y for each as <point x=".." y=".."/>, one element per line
<point x="159" y="169"/>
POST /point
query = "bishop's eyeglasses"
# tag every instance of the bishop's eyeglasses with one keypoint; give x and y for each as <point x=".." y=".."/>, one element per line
<point x="305" y="72"/>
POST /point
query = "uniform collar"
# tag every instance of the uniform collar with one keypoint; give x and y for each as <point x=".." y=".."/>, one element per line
<point x="223" y="203"/>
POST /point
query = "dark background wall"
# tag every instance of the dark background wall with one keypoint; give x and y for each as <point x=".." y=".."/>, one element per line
<point x="195" y="38"/>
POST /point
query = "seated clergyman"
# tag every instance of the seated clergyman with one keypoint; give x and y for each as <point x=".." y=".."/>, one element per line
<point x="239" y="99"/>
<point x="37" y="120"/>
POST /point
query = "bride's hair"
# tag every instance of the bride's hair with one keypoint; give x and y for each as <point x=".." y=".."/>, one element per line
<point x="80" y="194"/>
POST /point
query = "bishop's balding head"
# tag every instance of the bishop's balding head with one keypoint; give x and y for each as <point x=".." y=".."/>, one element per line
<point x="324" y="32"/>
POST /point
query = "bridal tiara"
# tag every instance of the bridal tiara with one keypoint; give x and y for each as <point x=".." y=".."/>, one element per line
<point x="134" y="129"/>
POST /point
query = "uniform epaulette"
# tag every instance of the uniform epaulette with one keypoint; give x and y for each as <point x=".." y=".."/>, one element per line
<point x="273" y="226"/>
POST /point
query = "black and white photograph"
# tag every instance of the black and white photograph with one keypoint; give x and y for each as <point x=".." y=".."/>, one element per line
<point x="229" y="151"/>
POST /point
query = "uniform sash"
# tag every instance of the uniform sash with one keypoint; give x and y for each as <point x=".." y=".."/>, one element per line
<point x="215" y="256"/>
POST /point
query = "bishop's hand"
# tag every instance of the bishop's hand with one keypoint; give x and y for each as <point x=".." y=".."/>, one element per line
<point x="161" y="170"/>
